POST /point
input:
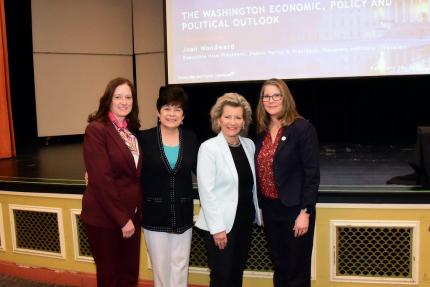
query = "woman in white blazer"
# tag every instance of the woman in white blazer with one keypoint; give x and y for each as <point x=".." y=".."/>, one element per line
<point x="227" y="190"/>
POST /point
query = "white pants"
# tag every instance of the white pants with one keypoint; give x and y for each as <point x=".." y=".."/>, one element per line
<point x="170" y="255"/>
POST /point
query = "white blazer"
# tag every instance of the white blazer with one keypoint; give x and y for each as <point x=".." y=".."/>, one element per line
<point x="218" y="184"/>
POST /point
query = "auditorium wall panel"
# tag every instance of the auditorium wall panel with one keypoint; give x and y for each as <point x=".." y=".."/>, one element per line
<point x="68" y="87"/>
<point x="78" y="46"/>
<point x="149" y="78"/>
<point x="149" y="56"/>
<point x="79" y="26"/>
<point x="148" y="26"/>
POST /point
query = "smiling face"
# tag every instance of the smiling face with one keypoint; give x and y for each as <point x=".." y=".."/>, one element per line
<point x="122" y="102"/>
<point x="272" y="107"/>
<point x="171" y="116"/>
<point x="231" y="123"/>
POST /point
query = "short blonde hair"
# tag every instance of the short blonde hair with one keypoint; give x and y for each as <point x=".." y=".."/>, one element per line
<point x="232" y="100"/>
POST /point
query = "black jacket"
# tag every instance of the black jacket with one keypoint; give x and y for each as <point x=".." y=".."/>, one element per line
<point x="296" y="165"/>
<point x="167" y="192"/>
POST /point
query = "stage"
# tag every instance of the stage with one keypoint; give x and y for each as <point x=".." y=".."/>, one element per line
<point x="345" y="168"/>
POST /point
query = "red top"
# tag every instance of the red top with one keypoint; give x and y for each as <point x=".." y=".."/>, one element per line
<point x="265" y="165"/>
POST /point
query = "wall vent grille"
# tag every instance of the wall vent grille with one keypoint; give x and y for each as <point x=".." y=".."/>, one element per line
<point x="37" y="230"/>
<point x="382" y="252"/>
<point x="83" y="244"/>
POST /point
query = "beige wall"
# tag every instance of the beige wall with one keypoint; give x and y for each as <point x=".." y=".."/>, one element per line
<point x="149" y="51"/>
<point x="68" y="88"/>
<point x="79" y="45"/>
<point x="82" y="26"/>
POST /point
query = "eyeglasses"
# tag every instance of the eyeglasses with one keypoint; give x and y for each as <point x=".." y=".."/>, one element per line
<point x="274" y="97"/>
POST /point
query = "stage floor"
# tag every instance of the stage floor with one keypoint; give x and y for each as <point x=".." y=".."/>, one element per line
<point x="341" y="164"/>
<point x="364" y="164"/>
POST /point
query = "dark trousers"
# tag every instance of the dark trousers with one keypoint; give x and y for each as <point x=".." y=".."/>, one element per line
<point x="227" y="265"/>
<point x="116" y="258"/>
<point x="291" y="256"/>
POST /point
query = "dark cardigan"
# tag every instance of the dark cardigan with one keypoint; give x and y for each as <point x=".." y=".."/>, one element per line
<point x="167" y="192"/>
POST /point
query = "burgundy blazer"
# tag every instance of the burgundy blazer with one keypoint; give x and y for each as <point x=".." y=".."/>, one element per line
<point x="113" y="195"/>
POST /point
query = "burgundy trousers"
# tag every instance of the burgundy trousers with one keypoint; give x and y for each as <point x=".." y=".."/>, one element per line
<point x="116" y="258"/>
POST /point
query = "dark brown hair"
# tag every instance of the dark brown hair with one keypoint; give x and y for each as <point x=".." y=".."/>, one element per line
<point x="105" y="101"/>
<point x="172" y="95"/>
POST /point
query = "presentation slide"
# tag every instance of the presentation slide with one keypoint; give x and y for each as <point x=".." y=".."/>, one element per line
<point x="246" y="40"/>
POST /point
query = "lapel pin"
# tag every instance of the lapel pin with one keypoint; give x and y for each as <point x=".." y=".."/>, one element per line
<point x="284" y="138"/>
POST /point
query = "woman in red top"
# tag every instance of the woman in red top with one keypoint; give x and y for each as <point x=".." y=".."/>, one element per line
<point x="111" y="205"/>
<point x="287" y="159"/>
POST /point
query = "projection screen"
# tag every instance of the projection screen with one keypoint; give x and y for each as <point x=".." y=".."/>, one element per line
<point x="245" y="40"/>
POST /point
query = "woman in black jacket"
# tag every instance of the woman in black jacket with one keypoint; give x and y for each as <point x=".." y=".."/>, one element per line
<point x="288" y="175"/>
<point x="169" y="156"/>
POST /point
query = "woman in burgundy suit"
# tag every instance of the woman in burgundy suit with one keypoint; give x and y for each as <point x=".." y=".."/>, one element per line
<point x="111" y="205"/>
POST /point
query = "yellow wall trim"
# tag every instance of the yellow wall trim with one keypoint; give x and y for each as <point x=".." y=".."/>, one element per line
<point x="373" y="206"/>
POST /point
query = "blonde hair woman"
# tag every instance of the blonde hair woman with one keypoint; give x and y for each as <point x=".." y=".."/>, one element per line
<point x="227" y="189"/>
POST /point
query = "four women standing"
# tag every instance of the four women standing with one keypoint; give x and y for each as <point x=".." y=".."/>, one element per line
<point x="287" y="170"/>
